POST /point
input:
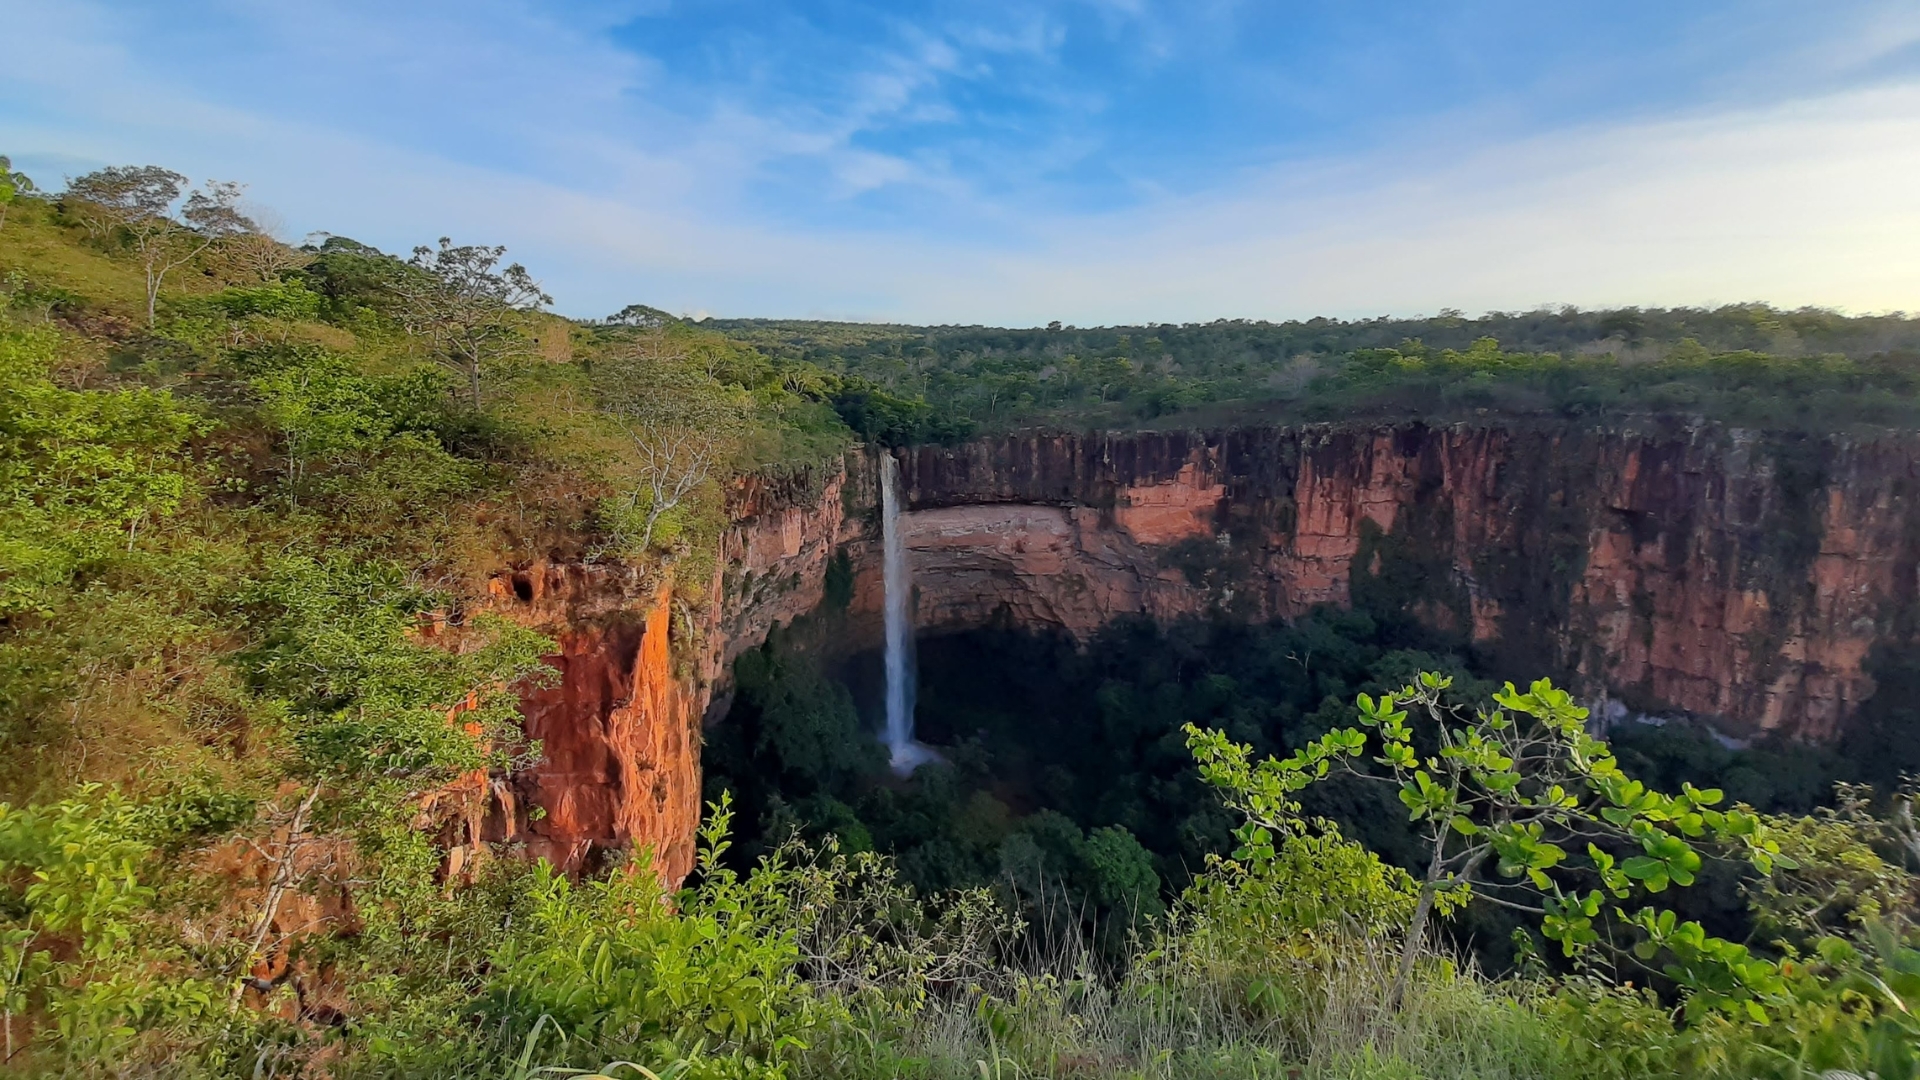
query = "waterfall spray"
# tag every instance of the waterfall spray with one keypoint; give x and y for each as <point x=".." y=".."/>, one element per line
<point x="907" y="755"/>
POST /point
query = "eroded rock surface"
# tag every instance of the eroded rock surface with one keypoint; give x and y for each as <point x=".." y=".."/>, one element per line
<point x="1719" y="574"/>
<point x="1737" y="578"/>
<point x="639" y="661"/>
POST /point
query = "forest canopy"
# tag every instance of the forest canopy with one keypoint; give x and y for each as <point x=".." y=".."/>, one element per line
<point x="1747" y="364"/>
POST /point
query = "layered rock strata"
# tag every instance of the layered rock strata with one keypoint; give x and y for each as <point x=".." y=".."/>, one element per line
<point x="1714" y="573"/>
<point x="1721" y="574"/>
<point x="638" y="662"/>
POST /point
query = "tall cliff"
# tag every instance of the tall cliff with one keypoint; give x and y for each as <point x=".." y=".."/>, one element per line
<point x="1737" y="578"/>
<point x="639" y="661"/>
<point x="1721" y="574"/>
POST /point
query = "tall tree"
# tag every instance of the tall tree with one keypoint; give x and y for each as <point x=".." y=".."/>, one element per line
<point x="137" y="204"/>
<point x="469" y="308"/>
<point x="682" y="422"/>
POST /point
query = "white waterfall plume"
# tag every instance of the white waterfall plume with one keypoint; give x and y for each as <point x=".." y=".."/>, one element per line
<point x="907" y="755"/>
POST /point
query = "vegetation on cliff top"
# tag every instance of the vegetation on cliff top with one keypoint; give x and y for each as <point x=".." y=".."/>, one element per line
<point x="249" y="499"/>
<point x="1749" y="365"/>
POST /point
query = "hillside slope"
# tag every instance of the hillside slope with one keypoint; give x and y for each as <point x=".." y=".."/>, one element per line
<point x="358" y="618"/>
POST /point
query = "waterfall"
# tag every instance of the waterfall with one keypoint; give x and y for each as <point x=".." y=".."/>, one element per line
<point x="907" y="755"/>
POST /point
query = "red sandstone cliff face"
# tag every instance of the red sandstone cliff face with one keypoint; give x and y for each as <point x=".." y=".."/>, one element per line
<point x="1712" y="573"/>
<point x="619" y="729"/>
<point x="774" y="560"/>
<point x="1718" y="574"/>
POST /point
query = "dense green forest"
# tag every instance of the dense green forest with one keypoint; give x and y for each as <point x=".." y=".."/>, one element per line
<point x="1067" y="781"/>
<point x="250" y="496"/>
<point x="1749" y="364"/>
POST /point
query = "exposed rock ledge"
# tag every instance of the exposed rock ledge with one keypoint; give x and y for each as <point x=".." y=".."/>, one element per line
<point x="1715" y="573"/>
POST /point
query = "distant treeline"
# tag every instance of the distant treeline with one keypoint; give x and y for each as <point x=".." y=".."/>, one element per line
<point x="1748" y="364"/>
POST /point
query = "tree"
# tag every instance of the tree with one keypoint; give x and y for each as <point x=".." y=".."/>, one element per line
<point x="256" y="256"/>
<point x="12" y="186"/>
<point x="641" y="316"/>
<point x="1518" y="786"/>
<point x="681" y="422"/>
<point x="136" y="203"/>
<point x="80" y="471"/>
<point x="468" y="309"/>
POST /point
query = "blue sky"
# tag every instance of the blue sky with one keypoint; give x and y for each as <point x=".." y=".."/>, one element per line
<point x="1091" y="161"/>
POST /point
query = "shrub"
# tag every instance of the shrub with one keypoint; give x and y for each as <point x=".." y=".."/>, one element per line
<point x="81" y="471"/>
<point x="712" y="980"/>
<point x="72" y="943"/>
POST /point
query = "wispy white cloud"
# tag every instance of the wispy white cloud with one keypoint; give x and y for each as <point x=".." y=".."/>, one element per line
<point x="509" y="126"/>
<point x="1808" y="202"/>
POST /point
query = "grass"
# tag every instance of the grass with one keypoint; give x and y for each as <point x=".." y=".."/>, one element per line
<point x="35" y="244"/>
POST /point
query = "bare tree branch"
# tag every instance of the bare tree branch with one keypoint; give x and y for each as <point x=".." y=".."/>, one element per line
<point x="136" y="203"/>
<point x="469" y="310"/>
<point x="679" y="421"/>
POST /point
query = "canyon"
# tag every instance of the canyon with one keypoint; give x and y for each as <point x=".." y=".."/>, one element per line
<point x="1743" y="580"/>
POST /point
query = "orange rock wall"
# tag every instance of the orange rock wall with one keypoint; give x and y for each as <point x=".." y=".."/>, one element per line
<point x="618" y="727"/>
<point x="1715" y="573"/>
<point x="774" y="560"/>
<point x="639" y="660"/>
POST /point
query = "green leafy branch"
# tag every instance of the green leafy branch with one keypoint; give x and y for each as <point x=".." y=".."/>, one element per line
<point x="1525" y="788"/>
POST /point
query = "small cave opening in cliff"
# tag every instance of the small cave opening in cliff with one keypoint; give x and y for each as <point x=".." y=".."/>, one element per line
<point x="1064" y="770"/>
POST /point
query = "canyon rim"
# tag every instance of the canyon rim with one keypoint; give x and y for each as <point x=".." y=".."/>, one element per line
<point x="1740" y="581"/>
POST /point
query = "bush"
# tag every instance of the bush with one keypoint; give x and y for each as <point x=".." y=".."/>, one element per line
<point x="76" y="944"/>
<point x="712" y="981"/>
<point x="81" y="471"/>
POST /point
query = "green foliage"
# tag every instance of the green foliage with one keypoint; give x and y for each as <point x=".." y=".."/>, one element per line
<point x="75" y="906"/>
<point x="889" y="419"/>
<point x="1120" y="871"/>
<point x="80" y="471"/>
<point x="1275" y="887"/>
<point x="372" y="446"/>
<point x="25" y="294"/>
<point x="1757" y="367"/>
<point x="804" y="730"/>
<point x="365" y="700"/>
<point x="1844" y="880"/>
<point x="357" y="283"/>
<point x="712" y="980"/>
<point x="1066" y="876"/>
<point x="837" y="583"/>
<point x="1519" y="786"/>
<point x="241" y="310"/>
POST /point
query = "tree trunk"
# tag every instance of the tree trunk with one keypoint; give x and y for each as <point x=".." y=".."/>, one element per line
<point x="283" y="876"/>
<point x="653" y="518"/>
<point x="1416" y="932"/>
<point x="12" y="981"/>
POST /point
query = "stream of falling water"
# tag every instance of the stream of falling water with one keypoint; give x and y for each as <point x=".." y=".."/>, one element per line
<point x="906" y="754"/>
